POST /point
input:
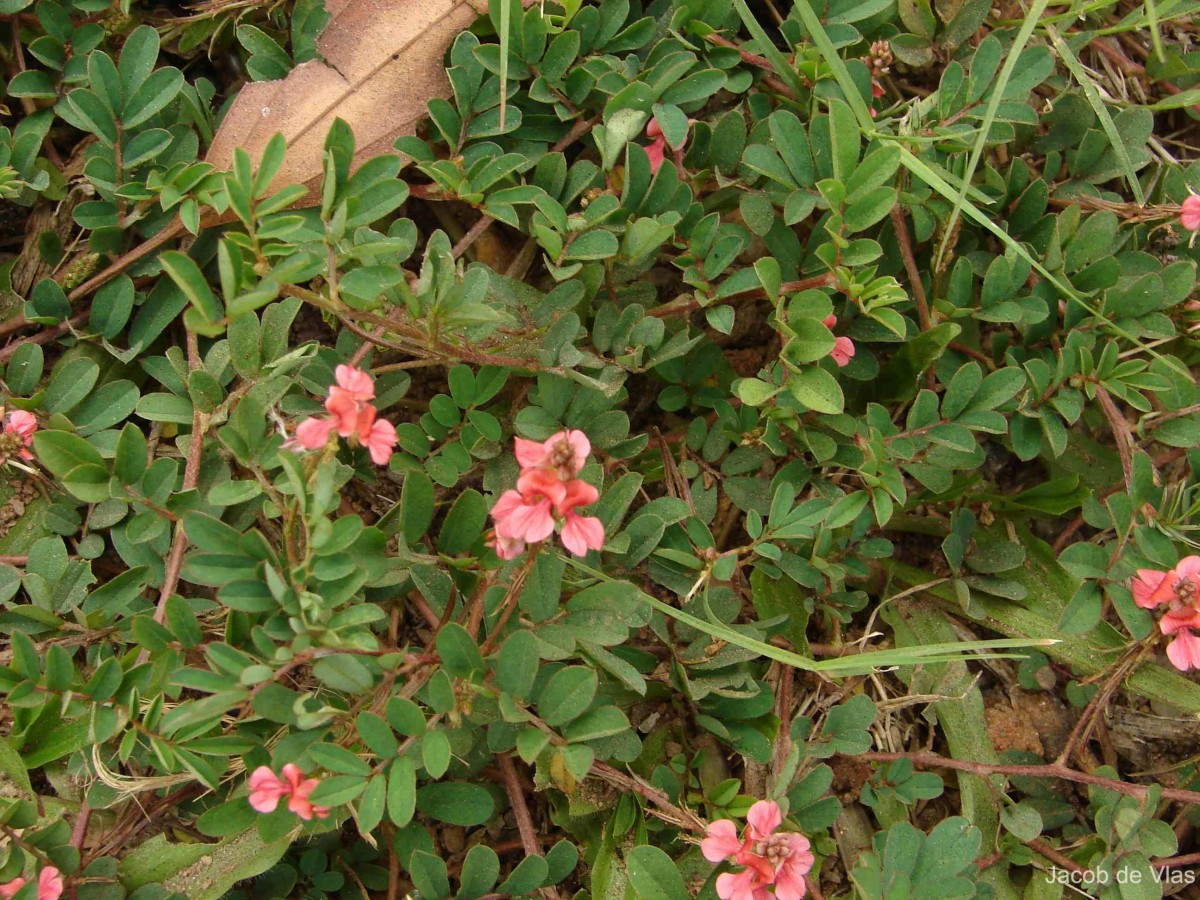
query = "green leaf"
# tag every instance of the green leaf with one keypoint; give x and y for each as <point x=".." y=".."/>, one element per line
<point x="458" y="651"/>
<point x="416" y="506"/>
<point x="186" y="274"/>
<point x="567" y="694"/>
<point x="61" y="452"/>
<point x="480" y="869"/>
<point x="456" y="803"/>
<point x="517" y="666"/>
<point x="817" y="390"/>
<point x="653" y="875"/>
<point x="152" y="96"/>
<point x="402" y="792"/>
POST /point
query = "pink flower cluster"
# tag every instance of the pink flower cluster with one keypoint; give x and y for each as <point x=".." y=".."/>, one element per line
<point x="843" y="347"/>
<point x="1179" y="589"/>
<point x="267" y="789"/>
<point x="17" y="437"/>
<point x="657" y="148"/>
<point x="780" y="860"/>
<point x="1189" y="213"/>
<point x="547" y="495"/>
<point x="49" y="885"/>
<point x="352" y="415"/>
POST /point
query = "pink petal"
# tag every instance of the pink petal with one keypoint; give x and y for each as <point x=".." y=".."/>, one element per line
<point x="829" y="321"/>
<point x="535" y="484"/>
<point x="356" y="382"/>
<point x="531" y="522"/>
<point x="657" y="153"/>
<point x="764" y="817"/>
<point x="1145" y="582"/>
<point x="843" y="351"/>
<point x="582" y="533"/>
<point x="720" y="841"/>
<point x="1189" y="215"/>
<point x="577" y="493"/>
<point x="507" y="548"/>
<point x="266" y="790"/>
<point x="1184" y="651"/>
<point x="380" y="441"/>
<point x="50" y="884"/>
<point x="789" y="880"/>
<point x="505" y="506"/>
<point x="8" y="891"/>
<point x="788" y="885"/>
<point x="530" y="454"/>
<point x="1177" y="619"/>
<point x="1189" y="568"/>
<point x="22" y="423"/>
<point x="293" y="775"/>
<point x="742" y="886"/>
<point x="581" y="445"/>
<point x="346" y="411"/>
<point x="313" y="434"/>
<point x="653" y="129"/>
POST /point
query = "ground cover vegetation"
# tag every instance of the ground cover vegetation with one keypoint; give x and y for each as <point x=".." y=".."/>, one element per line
<point x="599" y="448"/>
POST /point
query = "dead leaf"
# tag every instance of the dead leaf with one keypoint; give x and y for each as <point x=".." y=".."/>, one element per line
<point x="383" y="63"/>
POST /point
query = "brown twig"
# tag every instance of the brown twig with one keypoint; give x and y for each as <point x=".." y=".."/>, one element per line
<point x="930" y="760"/>
<point x="482" y="224"/>
<point x="664" y="808"/>
<point x="1121" y="435"/>
<point x="760" y="62"/>
<point x="516" y="799"/>
<point x="45" y="337"/>
<point x="689" y="303"/>
<point x="191" y="474"/>
<point x="1059" y="859"/>
<point x="910" y="266"/>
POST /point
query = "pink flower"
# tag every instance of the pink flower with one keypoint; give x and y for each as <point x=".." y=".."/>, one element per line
<point x="1189" y="213"/>
<point x="351" y="415"/>
<point x="301" y="788"/>
<point x="266" y="790"/>
<point x="781" y="860"/>
<point x="843" y="351"/>
<point x="565" y="453"/>
<point x="580" y="533"/>
<point x="18" y="435"/>
<point x="50" y="884"/>
<point x="843" y="347"/>
<point x="657" y="148"/>
<point x="1180" y="587"/>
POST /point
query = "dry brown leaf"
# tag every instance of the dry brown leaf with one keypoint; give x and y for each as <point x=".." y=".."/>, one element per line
<point x="383" y="63"/>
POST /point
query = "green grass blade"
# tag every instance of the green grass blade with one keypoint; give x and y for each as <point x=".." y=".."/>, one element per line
<point x="770" y="51"/>
<point x="989" y="116"/>
<point x="840" y="73"/>
<point x="1080" y="74"/>
<point x="917" y="167"/>
<point x="856" y="664"/>
<point x="505" y="25"/>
